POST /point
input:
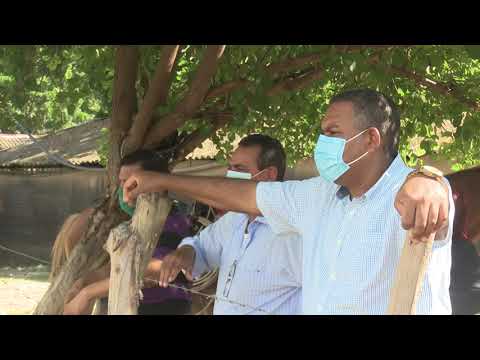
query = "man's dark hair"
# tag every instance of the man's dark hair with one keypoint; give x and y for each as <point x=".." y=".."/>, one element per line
<point x="374" y="109"/>
<point x="271" y="152"/>
<point x="147" y="159"/>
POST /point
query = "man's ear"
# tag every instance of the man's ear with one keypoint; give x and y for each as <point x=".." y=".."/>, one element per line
<point x="272" y="173"/>
<point x="374" y="139"/>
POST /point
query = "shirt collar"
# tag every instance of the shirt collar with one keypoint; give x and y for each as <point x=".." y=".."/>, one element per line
<point x="259" y="219"/>
<point x="396" y="165"/>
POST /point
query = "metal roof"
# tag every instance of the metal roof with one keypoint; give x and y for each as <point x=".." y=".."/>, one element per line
<point x="77" y="144"/>
<point x="9" y="141"/>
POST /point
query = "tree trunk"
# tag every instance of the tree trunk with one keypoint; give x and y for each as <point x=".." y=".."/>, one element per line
<point x="87" y="255"/>
<point x="123" y="107"/>
<point x="131" y="247"/>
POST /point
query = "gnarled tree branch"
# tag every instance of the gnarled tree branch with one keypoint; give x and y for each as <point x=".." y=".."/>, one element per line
<point x="192" y="100"/>
<point x="296" y="83"/>
<point x="300" y="62"/>
<point x="435" y="86"/>
<point x="123" y="106"/>
<point x="289" y="65"/>
<point x="290" y="83"/>
<point x="193" y="140"/>
<point x="156" y="95"/>
<point x="292" y="64"/>
<point x="226" y="88"/>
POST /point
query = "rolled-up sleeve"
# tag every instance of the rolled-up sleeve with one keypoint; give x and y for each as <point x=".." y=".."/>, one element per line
<point x="208" y="245"/>
<point x="283" y="204"/>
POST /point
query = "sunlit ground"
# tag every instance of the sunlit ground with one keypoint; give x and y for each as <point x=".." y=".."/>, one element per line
<point x="21" y="288"/>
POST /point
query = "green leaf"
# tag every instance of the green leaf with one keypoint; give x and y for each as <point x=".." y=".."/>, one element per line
<point x="353" y="66"/>
<point x="69" y="73"/>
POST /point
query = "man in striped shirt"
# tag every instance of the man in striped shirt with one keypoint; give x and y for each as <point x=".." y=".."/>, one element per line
<point x="352" y="236"/>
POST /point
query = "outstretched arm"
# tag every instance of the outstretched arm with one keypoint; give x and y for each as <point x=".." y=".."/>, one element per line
<point x="82" y="303"/>
<point x="227" y="194"/>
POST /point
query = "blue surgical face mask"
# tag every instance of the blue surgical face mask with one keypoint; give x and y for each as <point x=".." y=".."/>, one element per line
<point x="328" y="156"/>
<point x="242" y="175"/>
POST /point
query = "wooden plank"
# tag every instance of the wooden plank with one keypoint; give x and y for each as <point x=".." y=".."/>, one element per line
<point x="409" y="277"/>
<point x="131" y="247"/>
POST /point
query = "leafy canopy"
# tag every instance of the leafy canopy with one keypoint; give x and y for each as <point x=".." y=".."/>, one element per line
<point x="46" y="88"/>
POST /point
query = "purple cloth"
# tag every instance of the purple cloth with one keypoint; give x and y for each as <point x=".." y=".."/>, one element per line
<point x="180" y="225"/>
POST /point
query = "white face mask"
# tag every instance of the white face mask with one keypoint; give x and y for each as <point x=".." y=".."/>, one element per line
<point x="242" y="175"/>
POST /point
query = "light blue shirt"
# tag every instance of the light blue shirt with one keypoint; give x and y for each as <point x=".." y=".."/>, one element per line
<point x="268" y="274"/>
<point x="352" y="247"/>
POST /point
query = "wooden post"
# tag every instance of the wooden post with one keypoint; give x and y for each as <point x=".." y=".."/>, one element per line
<point x="131" y="246"/>
<point x="409" y="276"/>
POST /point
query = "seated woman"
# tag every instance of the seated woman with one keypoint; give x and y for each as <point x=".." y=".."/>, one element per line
<point x="81" y="297"/>
<point x="70" y="234"/>
<point x="156" y="300"/>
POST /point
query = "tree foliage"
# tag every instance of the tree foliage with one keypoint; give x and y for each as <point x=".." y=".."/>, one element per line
<point x="274" y="89"/>
<point x="48" y="88"/>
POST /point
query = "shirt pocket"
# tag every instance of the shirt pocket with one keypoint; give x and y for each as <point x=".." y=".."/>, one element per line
<point x="257" y="269"/>
<point x="253" y="263"/>
<point x="258" y="256"/>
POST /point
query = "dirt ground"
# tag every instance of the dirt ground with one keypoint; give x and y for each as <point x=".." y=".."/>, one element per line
<point x="23" y="281"/>
<point x="21" y="288"/>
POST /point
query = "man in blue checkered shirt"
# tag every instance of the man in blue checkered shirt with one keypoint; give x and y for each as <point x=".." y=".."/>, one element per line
<point x="352" y="236"/>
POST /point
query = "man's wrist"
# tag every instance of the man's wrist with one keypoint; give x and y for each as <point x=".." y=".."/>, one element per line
<point x="189" y="254"/>
<point x="441" y="181"/>
<point x="427" y="171"/>
<point x="160" y="182"/>
<point x="189" y="250"/>
<point x="431" y="173"/>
